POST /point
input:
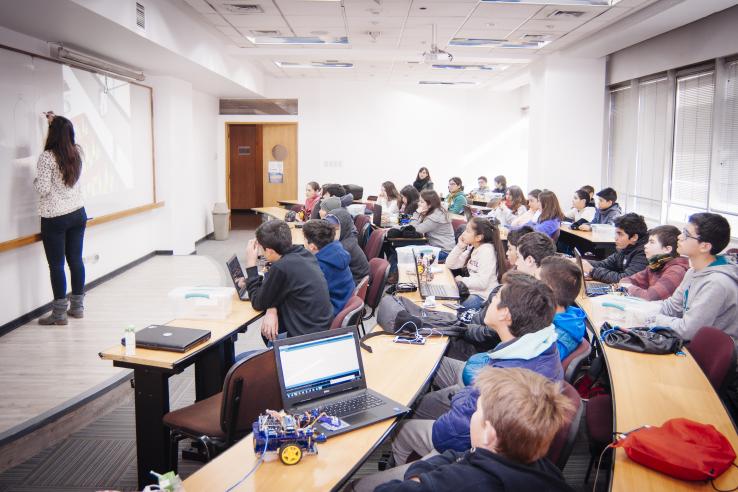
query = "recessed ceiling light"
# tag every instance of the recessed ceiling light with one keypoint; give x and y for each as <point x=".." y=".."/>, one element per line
<point x="325" y="64"/>
<point x="297" y="40"/>
<point x="439" y="82"/>
<point x="443" y="66"/>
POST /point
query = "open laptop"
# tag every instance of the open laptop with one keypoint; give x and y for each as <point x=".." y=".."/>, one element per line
<point x="236" y="272"/>
<point x="171" y="338"/>
<point x="440" y="292"/>
<point x="377" y="218"/>
<point x="324" y="371"/>
<point x="591" y="288"/>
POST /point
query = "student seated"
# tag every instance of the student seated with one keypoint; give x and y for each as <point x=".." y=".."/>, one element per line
<point x="549" y="219"/>
<point x="607" y="211"/>
<point x="565" y="280"/>
<point x="521" y="313"/>
<point x="389" y="198"/>
<point x="498" y="210"/>
<point x="708" y="294"/>
<point x="480" y="251"/>
<point x="631" y="234"/>
<point x="348" y="237"/>
<point x="532" y="249"/>
<point x="591" y="191"/>
<point x="482" y="190"/>
<point x="312" y="196"/>
<point x="513" y="237"/>
<point x="582" y="209"/>
<point x="333" y="261"/>
<point x="500" y="184"/>
<point x="332" y="190"/>
<point x="512" y="207"/>
<point x="433" y="221"/>
<point x="532" y="212"/>
<point x="665" y="269"/>
<point x="515" y="420"/>
<point x="455" y="200"/>
<point x="423" y="180"/>
<point x="410" y="197"/>
<point x="294" y="281"/>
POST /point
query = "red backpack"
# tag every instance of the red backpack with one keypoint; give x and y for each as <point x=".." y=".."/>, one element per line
<point x="680" y="448"/>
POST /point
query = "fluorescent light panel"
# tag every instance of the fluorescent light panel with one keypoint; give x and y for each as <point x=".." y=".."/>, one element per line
<point x="498" y="43"/>
<point x="447" y="66"/>
<point x="325" y="64"/>
<point x="298" y="40"/>
<point x="441" y="82"/>
<point x="596" y="3"/>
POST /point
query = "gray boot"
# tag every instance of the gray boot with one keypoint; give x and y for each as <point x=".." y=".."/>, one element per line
<point x="76" y="308"/>
<point x="58" y="314"/>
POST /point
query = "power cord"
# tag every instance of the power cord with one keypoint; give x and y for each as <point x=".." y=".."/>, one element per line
<point x="253" y="469"/>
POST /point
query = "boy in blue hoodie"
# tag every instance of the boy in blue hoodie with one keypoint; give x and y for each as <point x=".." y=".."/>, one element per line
<point x="521" y="313"/>
<point x="333" y="259"/>
<point x="565" y="280"/>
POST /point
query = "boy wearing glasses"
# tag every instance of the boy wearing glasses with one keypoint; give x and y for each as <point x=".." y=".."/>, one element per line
<point x="708" y="294"/>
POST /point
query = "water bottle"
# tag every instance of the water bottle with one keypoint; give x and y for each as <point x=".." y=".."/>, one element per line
<point x="130" y="337"/>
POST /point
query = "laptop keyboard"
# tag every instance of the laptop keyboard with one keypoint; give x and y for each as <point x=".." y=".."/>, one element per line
<point x="436" y="290"/>
<point x="352" y="406"/>
<point x="598" y="290"/>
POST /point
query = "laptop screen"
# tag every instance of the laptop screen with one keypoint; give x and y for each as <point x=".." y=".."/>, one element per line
<point x="234" y="268"/>
<point x="317" y="365"/>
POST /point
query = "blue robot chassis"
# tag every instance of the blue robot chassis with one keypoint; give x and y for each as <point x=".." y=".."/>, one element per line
<point x="289" y="436"/>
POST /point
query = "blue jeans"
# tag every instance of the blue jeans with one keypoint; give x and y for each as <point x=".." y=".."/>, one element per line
<point x="63" y="237"/>
<point x="473" y="302"/>
<point x="269" y="344"/>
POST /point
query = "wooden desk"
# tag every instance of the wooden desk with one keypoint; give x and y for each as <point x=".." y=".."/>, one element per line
<point x="650" y="389"/>
<point x="398" y="371"/>
<point x="278" y="213"/>
<point x="288" y="204"/>
<point x="151" y="372"/>
<point x="584" y="241"/>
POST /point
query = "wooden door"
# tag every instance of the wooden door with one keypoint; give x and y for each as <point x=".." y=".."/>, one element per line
<point x="245" y="166"/>
<point x="285" y="135"/>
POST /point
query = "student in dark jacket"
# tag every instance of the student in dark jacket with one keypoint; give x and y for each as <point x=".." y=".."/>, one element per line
<point x="631" y="234"/>
<point x="333" y="261"/>
<point x="331" y="190"/>
<point x="517" y="416"/>
<point x="294" y="285"/>
<point x="607" y="211"/>
<point x="349" y="239"/>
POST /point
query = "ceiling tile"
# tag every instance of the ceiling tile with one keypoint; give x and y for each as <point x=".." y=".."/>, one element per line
<point x="480" y="23"/>
<point x="315" y="22"/>
<point x="298" y="7"/>
<point x="257" y="22"/>
<point x="505" y="11"/>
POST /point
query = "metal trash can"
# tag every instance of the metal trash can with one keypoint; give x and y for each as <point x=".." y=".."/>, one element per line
<point x="221" y="221"/>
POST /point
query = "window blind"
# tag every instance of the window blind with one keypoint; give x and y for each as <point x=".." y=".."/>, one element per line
<point x="652" y="142"/>
<point x="693" y="139"/>
<point x="621" y="148"/>
<point x="724" y="193"/>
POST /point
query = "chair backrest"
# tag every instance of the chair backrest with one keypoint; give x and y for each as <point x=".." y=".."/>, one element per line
<point x="356" y="190"/>
<point x="374" y="246"/>
<point x="455" y="223"/>
<point x="715" y="354"/>
<point x="297" y="208"/>
<point x="732" y="251"/>
<point x="250" y="387"/>
<point x="563" y="443"/>
<point x="372" y="198"/>
<point x="361" y="222"/>
<point x="574" y="360"/>
<point x="350" y="315"/>
<point x="378" y="271"/>
<point x="361" y="288"/>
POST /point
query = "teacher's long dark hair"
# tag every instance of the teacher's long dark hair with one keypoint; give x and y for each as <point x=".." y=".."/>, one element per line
<point x="60" y="142"/>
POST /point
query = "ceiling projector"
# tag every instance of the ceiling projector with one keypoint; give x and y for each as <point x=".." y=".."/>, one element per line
<point x="436" y="55"/>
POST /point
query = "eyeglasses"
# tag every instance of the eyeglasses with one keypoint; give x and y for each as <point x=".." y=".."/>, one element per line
<point x="686" y="235"/>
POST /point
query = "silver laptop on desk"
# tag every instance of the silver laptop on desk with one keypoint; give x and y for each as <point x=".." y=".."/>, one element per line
<point x="591" y="287"/>
<point x="440" y="292"/>
<point x="324" y="371"/>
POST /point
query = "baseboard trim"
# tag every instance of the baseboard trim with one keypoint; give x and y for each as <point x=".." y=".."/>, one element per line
<point x="23" y="319"/>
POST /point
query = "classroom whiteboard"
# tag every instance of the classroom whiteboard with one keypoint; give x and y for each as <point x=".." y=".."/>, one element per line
<point x="113" y="125"/>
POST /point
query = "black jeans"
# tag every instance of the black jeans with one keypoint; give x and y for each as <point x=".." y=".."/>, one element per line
<point x="63" y="237"/>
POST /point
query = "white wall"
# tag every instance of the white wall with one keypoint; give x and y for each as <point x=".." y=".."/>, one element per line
<point x="711" y="37"/>
<point x="567" y="124"/>
<point x="367" y="133"/>
<point x="184" y="140"/>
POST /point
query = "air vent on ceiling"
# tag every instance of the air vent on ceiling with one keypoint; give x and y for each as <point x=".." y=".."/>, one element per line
<point x="244" y="8"/>
<point x="274" y="32"/>
<point x="140" y="15"/>
<point x="565" y="14"/>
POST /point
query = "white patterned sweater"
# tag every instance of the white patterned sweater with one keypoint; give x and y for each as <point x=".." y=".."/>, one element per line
<point x="55" y="197"/>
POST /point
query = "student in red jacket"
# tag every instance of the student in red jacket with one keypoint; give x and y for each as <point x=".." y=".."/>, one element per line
<point x="665" y="268"/>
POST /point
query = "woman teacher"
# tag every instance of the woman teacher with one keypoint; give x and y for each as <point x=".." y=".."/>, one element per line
<point x="63" y="217"/>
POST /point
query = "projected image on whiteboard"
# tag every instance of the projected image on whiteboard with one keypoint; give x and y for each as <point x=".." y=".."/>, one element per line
<point x="112" y="124"/>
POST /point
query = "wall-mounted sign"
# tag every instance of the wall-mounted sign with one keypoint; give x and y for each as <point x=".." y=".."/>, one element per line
<point x="244" y="150"/>
<point x="275" y="171"/>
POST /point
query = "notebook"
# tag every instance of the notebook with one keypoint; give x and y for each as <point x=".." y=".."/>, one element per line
<point x="591" y="288"/>
<point x="324" y="371"/>
<point x="171" y="338"/>
<point x="440" y="292"/>
<point x="234" y="269"/>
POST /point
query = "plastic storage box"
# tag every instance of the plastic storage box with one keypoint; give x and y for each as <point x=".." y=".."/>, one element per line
<point x="627" y="311"/>
<point x="201" y="302"/>
<point x="603" y="232"/>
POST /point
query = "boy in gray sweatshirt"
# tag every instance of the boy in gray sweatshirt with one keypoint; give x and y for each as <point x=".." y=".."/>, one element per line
<point x="708" y="294"/>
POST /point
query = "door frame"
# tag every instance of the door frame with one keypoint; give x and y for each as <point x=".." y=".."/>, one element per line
<point x="228" y="148"/>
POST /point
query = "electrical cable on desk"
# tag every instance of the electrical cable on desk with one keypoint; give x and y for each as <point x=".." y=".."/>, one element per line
<point x="253" y="469"/>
